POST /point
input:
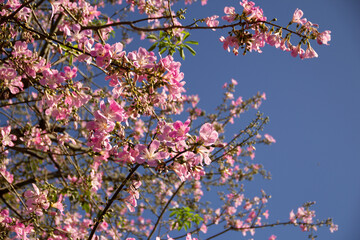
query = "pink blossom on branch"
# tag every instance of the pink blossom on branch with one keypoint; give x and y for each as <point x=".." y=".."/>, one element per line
<point x="6" y="137"/>
<point x="208" y="135"/>
<point x="212" y="22"/>
<point x="36" y="201"/>
<point x="297" y="17"/>
<point x="324" y="37"/>
<point x="272" y="237"/>
<point x="230" y="14"/>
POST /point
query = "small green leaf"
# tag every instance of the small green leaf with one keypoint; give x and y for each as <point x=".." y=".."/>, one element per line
<point x="181" y="51"/>
<point x="86" y="206"/>
<point x="186" y="35"/>
<point x="190" y="49"/>
<point x="187" y="225"/>
<point x="162" y="34"/>
<point x="71" y="59"/>
<point x="162" y="45"/>
<point x="192" y="42"/>
<point x="152" y="36"/>
<point x="153" y="47"/>
<point x="162" y="50"/>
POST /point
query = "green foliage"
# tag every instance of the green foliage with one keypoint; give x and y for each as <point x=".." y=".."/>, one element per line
<point x="184" y="217"/>
<point x="166" y="41"/>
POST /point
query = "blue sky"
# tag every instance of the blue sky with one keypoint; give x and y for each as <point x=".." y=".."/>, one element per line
<point x="312" y="105"/>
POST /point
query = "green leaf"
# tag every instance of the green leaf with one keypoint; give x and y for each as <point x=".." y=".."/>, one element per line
<point x="190" y="49"/>
<point x="187" y="225"/>
<point x="152" y="36"/>
<point x="181" y="51"/>
<point x="162" y="34"/>
<point x="162" y="45"/>
<point x="86" y="206"/>
<point x="71" y="59"/>
<point x="171" y="51"/>
<point x="186" y="35"/>
<point x="192" y="42"/>
<point x="153" y="47"/>
<point x="162" y="50"/>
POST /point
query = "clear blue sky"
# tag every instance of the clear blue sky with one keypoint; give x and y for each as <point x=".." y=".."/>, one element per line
<point x="313" y="107"/>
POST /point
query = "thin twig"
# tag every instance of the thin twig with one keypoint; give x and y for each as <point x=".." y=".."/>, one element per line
<point x="164" y="209"/>
<point x="14" y="190"/>
<point x="4" y="19"/>
<point x="110" y="202"/>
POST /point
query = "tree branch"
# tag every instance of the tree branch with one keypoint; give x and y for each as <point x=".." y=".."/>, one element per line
<point x="164" y="209"/>
<point x="110" y="202"/>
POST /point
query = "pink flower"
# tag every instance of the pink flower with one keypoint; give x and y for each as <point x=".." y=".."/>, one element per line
<point x="203" y="228"/>
<point x="78" y="35"/>
<point x="70" y="73"/>
<point x="101" y="124"/>
<point x="231" y="14"/>
<point x="297" y="50"/>
<point x="142" y="58"/>
<point x="229" y="41"/>
<point x="309" y="53"/>
<point x="333" y="228"/>
<point x="248" y="6"/>
<point x="102" y="54"/>
<point x="297" y="17"/>
<point x="36" y="201"/>
<point x="114" y="112"/>
<point x="188" y="237"/>
<point x="292" y="217"/>
<point x="272" y="237"/>
<point x="130" y="200"/>
<point x="181" y="129"/>
<point x="21" y="51"/>
<point x="251" y="11"/>
<point x="269" y="138"/>
<point x="324" y="37"/>
<point x="208" y="134"/>
<point x="9" y="77"/>
<point x="150" y="154"/>
<point x="231" y="210"/>
<point x="5" y="136"/>
<point x="212" y="22"/>
<point x="59" y="205"/>
<point x="274" y="40"/>
<point x="52" y="78"/>
<point x="21" y="230"/>
<point x="266" y="214"/>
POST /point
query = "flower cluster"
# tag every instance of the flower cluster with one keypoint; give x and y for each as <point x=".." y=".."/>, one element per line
<point x="36" y="201"/>
<point x="265" y="32"/>
<point x="6" y="137"/>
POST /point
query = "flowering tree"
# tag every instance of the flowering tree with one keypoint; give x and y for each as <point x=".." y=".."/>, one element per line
<point x="92" y="145"/>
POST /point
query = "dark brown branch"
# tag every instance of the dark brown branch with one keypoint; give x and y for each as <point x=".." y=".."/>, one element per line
<point x="4" y="19"/>
<point x="110" y="202"/>
<point x="10" y="207"/>
<point x="218" y="234"/>
<point x="20" y="184"/>
<point x="190" y="26"/>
